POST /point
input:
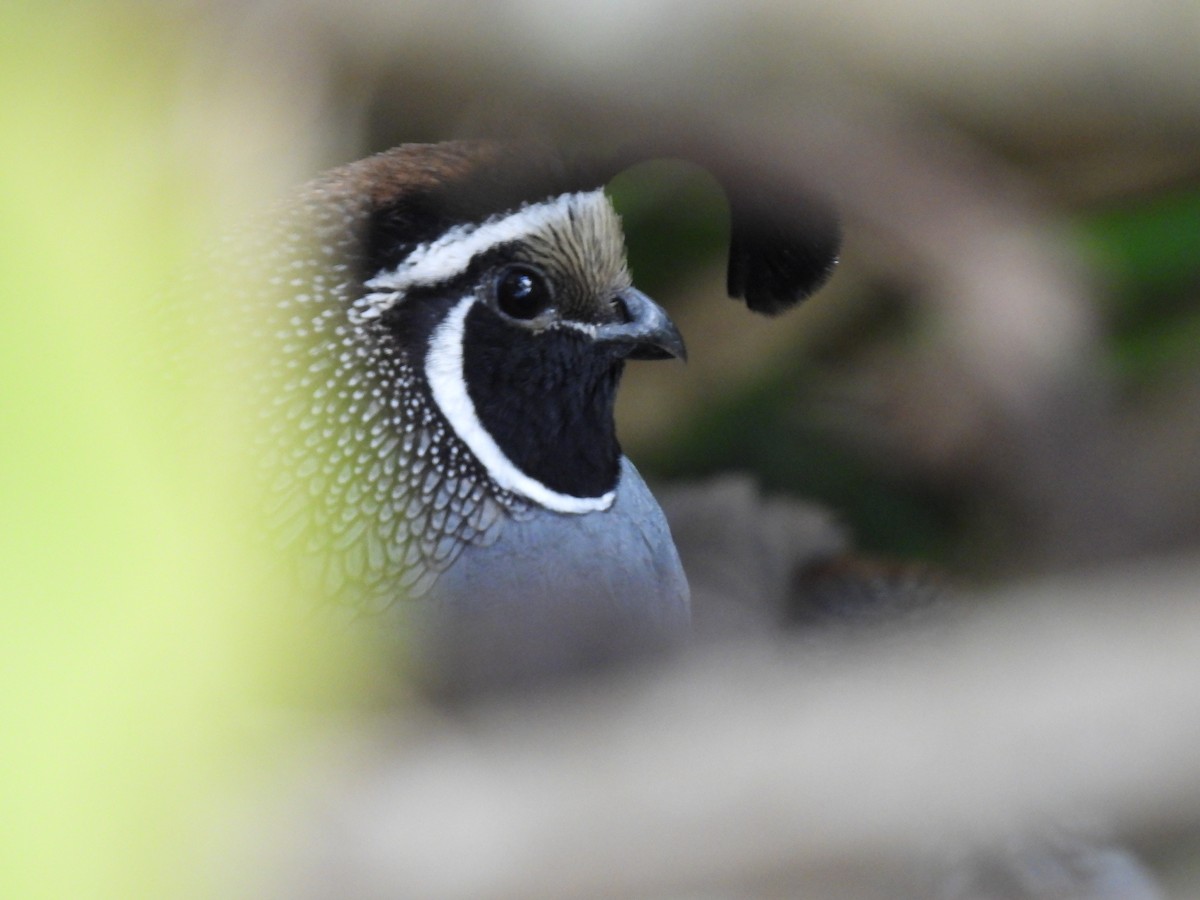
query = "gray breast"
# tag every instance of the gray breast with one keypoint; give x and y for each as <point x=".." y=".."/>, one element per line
<point x="557" y="593"/>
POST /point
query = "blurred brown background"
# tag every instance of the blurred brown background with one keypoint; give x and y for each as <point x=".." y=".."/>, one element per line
<point x="1001" y="374"/>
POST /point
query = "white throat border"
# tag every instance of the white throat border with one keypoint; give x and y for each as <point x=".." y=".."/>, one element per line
<point x="448" y="384"/>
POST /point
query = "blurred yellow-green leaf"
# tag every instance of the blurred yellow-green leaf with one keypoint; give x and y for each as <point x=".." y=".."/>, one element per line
<point x="138" y="632"/>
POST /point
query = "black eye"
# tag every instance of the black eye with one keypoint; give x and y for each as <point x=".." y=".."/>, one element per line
<point x="522" y="292"/>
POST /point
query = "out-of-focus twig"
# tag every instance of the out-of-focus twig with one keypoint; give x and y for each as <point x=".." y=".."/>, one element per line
<point x="750" y="764"/>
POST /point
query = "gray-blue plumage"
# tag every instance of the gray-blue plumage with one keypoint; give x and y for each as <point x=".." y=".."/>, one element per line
<point x="447" y="338"/>
<point x="556" y="593"/>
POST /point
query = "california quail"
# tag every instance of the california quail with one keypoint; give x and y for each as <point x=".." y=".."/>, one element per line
<point x="449" y="329"/>
<point x="450" y="326"/>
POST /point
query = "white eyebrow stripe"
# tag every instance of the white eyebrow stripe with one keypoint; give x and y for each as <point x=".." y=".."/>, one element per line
<point x="451" y="254"/>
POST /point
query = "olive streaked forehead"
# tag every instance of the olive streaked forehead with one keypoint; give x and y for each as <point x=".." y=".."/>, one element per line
<point x="576" y="238"/>
<point x="583" y="255"/>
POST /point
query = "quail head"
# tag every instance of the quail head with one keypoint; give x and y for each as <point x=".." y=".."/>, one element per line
<point x="450" y="326"/>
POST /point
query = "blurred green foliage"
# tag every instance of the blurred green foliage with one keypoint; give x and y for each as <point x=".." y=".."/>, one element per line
<point x="138" y="631"/>
<point x="1146" y="258"/>
<point x="676" y="221"/>
<point x="772" y="430"/>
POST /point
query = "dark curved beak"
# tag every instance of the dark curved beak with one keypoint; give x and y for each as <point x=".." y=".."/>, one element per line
<point x="646" y="333"/>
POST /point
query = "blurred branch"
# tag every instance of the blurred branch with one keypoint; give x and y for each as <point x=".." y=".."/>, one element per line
<point x="753" y="764"/>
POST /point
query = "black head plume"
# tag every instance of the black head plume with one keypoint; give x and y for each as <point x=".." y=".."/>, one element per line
<point x="779" y="254"/>
<point x="783" y="244"/>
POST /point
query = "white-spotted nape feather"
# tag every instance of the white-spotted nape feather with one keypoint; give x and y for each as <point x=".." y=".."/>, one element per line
<point x="447" y="383"/>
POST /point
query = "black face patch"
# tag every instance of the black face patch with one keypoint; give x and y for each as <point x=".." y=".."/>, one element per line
<point x="547" y="401"/>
